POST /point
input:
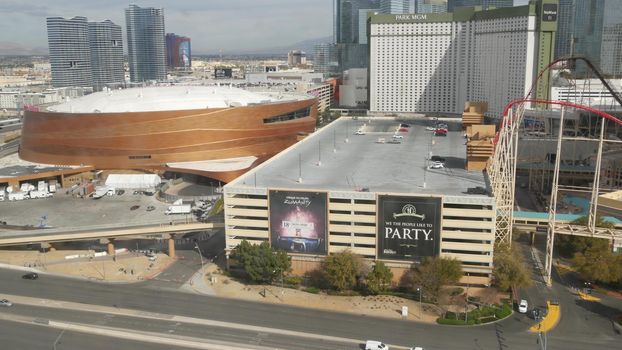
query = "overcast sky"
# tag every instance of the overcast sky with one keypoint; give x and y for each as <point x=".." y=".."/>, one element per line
<point x="212" y="25"/>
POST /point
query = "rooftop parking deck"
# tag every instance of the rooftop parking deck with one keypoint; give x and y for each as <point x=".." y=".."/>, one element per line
<point x="337" y="158"/>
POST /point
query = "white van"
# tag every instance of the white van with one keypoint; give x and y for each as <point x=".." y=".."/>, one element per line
<point x="375" y="345"/>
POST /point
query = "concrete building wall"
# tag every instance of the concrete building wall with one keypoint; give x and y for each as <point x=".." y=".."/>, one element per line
<point x="353" y="92"/>
<point x="467" y="232"/>
<point x="436" y="62"/>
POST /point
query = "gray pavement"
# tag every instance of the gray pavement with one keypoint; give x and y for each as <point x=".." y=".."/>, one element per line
<point x="22" y="336"/>
<point x="65" y="211"/>
<point x="149" y="297"/>
<point x="362" y="162"/>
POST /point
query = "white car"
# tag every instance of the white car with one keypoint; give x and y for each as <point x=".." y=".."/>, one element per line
<point x="5" y="303"/>
<point x="522" y="306"/>
<point x="398" y="137"/>
<point x="359" y="132"/>
<point x="436" y="165"/>
<point x="375" y="345"/>
<point x="430" y="128"/>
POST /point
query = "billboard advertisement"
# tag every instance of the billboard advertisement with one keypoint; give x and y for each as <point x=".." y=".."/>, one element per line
<point x="184" y="54"/>
<point x="223" y="73"/>
<point x="298" y="221"/>
<point x="409" y="228"/>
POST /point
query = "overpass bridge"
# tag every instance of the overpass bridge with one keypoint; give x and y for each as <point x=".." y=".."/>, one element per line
<point x="54" y="235"/>
<point x="539" y="222"/>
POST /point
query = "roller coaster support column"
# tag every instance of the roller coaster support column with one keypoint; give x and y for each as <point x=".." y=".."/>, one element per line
<point x="550" y="240"/>
<point x="591" y="224"/>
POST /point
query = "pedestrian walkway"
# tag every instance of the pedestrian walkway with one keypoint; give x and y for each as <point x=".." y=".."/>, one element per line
<point x="198" y="282"/>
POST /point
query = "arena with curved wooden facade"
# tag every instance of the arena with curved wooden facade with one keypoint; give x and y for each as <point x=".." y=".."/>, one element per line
<point x="165" y="128"/>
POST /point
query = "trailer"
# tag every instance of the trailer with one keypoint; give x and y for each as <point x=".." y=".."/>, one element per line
<point x="18" y="196"/>
<point x="103" y="191"/>
<point x="39" y="194"/>
<point x="178" y="209"/>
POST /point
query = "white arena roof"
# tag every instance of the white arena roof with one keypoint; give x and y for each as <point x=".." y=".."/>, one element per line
<point x="167" y="98"/>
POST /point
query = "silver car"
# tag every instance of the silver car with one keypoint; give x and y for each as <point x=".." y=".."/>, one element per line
<point x="5" y="303"/>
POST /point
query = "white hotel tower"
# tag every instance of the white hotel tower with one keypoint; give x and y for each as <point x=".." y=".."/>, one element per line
<point x="435" y="62"/>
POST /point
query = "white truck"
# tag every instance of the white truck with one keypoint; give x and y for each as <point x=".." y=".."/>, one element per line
<point x="39" y="194"/>
<point x="18" y="196"/>
<point x="42" y="186"/>
<point x="103" y="191"/>
<point x="178" y="209"/>
<point x="52" y="188"/>
<point x="26" y="187"/>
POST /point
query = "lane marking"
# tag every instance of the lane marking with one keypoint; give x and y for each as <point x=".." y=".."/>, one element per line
<point x="168" y="317"/>
<point x="140" y="336"/>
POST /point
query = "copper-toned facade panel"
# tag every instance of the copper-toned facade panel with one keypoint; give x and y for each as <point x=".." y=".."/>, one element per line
<point x="137" y="140"/>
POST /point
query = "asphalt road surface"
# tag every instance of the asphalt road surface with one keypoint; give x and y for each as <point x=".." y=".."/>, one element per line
<point x="279" y="319"/>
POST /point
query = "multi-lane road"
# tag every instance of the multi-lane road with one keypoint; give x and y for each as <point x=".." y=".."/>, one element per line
<point x="150" y="314"/>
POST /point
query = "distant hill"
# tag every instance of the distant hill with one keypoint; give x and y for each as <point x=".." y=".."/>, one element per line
<point x="8" y="48"/>
<point x="305" y="45"/>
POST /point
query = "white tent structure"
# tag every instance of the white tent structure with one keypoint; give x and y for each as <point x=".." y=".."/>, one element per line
<point x="133" y="181"/>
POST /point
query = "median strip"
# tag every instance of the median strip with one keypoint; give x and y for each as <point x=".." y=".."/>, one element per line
<point x="167" y="317"/>
<point x="550" y="321"/>
<point x="588" y="297"/>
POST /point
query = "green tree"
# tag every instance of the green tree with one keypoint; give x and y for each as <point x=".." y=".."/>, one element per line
<point x="379" y="278"/>
<point x="434" y="274"/>
<point x="599" y="263"/>
<point x="323" y="118"/>
<point x="342" y="270"/>
<point x="600" y="221"/>
<point x="571" y="245"/>
<point x="510" y="268"/>
<point x="261" y="262"/>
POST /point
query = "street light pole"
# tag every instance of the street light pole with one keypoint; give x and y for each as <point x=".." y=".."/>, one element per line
<point x="420" y="290"/>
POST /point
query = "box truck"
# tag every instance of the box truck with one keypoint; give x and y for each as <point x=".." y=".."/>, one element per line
<point x="178" y="209"/>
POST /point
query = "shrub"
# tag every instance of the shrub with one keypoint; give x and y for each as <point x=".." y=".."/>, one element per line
<point x="454" y="322"/>
<point x="504" y="311"/>
<point x="312" y="290"/>
<point x="456" y="291"/>
<point x="292" y="281"/>
<point x="343" y="293"/>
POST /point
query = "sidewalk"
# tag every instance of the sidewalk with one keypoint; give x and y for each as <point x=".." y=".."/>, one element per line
<point x="125" y="267"/>
<point x="209" y="281"/>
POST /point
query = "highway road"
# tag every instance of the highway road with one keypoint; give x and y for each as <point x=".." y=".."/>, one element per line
<point x="278" y="321"/>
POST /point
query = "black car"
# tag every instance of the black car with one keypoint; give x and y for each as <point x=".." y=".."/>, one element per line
<point x="477" y="190"/>
<point x="30" y="276"/>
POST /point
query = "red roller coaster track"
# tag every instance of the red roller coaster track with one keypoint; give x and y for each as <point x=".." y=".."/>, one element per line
<point x="505" y="121"/>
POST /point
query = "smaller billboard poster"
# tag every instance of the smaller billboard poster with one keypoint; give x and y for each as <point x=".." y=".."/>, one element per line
<point x="298" y="221"/>
<point x="408" y="227"/>
<point x="222" y="73"/>
<point x="549" y="12"/>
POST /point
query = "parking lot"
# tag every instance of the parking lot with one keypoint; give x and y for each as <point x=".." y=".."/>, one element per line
<point x="64" y="210"/>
